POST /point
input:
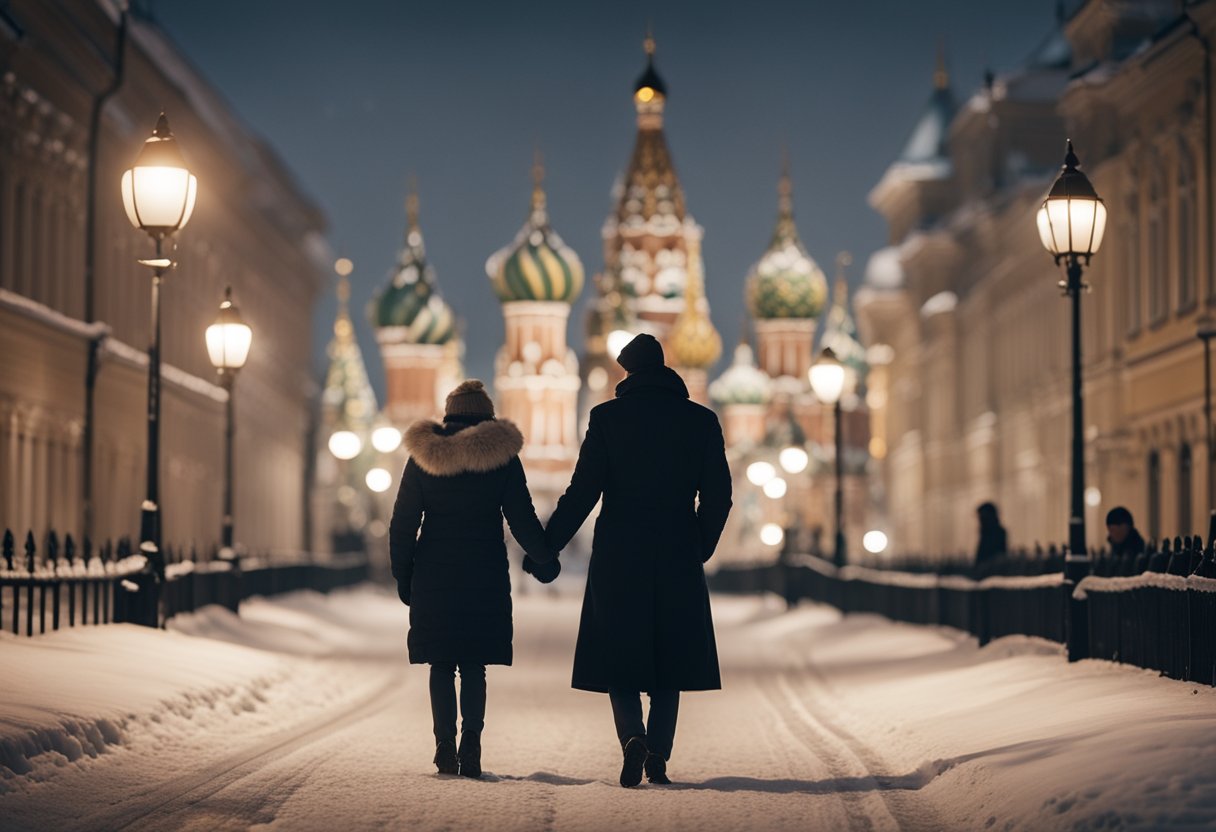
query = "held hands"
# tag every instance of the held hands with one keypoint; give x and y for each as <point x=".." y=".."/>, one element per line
<point x="544" y="572"/>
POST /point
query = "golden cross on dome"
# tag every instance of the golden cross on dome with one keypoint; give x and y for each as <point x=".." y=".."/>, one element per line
<point x="411" y="203"/>
<point x="538" y="178"/>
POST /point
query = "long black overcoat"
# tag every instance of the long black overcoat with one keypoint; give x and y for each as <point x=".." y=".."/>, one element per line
<point x="658" y="461"/>
<point x="459" y="484"/>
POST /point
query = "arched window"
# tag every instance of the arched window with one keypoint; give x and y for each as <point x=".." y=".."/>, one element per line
<point x="1131" y="262"/>
<point x="1188" y="236"/>
<point x="1158" y="251"/>
<point x="1154" y="495"/>
<point x="1185" y="467"/>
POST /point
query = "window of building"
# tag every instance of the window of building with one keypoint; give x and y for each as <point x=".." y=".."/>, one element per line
<point x="1188" y="237"/>
<point x="1130" y="238"/>
<point x="1185" y="468"/>
<point x="1158" y="250"/>
<point x="1154" y="495"/>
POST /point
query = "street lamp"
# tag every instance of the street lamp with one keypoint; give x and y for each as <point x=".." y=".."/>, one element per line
<point x="1205" y="330"/>
<point x="793" y="459"/>
<point x="158" y="193"/>
<point x="1071" y="223"/>
<point x="828" y="379"/>
<point x="228" y="342"/>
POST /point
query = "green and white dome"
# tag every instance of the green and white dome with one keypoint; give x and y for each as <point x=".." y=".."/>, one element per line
<point x="786" y="282"/>
<point x="537" y="265"/>
<point x="743" y="382"/>
<point x="411" y="301"/>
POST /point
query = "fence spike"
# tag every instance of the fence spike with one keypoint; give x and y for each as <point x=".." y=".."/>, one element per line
<point x="69" y="549"/>
<point x="8" y="549"/>
<point x="52" y="548"/>
<point x="30" y="548"/>
<point x="87" y="551"/>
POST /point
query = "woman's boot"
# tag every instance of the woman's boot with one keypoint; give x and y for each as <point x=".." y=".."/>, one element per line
<point x="445" y="757"/>
<point x="470" y="754"/>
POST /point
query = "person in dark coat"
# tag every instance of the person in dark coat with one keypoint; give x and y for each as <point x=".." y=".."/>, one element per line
<point x="1126" y="543"/>
<point x="993" y="541"/>
<point x="657" y="459"/>
<point x="462" y="478"/>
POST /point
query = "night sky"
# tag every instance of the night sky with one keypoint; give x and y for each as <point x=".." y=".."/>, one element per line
<point x="357" y="95"/>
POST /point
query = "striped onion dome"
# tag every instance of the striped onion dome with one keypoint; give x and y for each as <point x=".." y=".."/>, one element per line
<point x="743" y="382"/>
<point x="537" y="265"/>
<point x="695" y="343"/>
<point x="786" y="282"/>
<point x="411" y="301"/>
<point x="839" y="329"/>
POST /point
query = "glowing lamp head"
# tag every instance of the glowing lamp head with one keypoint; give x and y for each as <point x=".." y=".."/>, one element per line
<point x="158" y="191"/>
<point x="828" y="377"/>
<point x="1072" y="219"/>
<point x="771" y="534"/>
<point x="760" y="472"/>
<point x="793" y="459"/>
<point x="345" y="444"/>
<point x="378" y="480"/>
<point x="874" y="541"/>
<point x="229" y="338"/>
<point x="386" y="439"/>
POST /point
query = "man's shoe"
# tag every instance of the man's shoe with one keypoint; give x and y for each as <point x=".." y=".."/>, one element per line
<point x="635" y="760"/>
<point x="656" y="770"/>
<point x="470" y="754"/>
<point x="445" y="757"/>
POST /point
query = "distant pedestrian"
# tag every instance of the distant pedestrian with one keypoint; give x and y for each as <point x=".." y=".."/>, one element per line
<point x="993" y="543"/>
<point x="657" y="459"/>
<point x="1121" y="533"/>
<point x="463" y="477"/>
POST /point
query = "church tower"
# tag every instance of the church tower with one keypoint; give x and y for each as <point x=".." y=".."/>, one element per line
<point x="536" y="279"/>
<point x="415" y="329"/>
<point x="695" y="344"/>
<point x="642" y="286"/>
<point x="786" y="291"/>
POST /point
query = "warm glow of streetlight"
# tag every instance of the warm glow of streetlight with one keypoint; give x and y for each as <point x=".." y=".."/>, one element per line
<point x="775" y="488"/>
<point x="793" y="459"/>
<point x="618" y="339"/>
<point x="386" y="439"/>
<point x="345" y="444"/>
<point x="759" y="473"/>
<point x="1093" y="496"/>
<point x="827" y="376"/>
<point x="378" y="480"/>
<point x="343" y="266"/>
<point x="158" y="191"/>
<point x="229" y="338"/>
<point x="771" y="534"/>
<point x="874" y="541"/>
<point x="1072" y="219"/>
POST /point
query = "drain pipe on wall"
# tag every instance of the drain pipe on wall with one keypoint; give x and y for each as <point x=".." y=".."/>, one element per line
<point x="90" y="262"/>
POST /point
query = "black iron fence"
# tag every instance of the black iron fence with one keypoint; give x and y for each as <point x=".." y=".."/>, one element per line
<point x="1151" y="619"/>
<point x="53" y="586"/>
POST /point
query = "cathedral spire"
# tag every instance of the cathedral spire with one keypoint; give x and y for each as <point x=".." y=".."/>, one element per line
<point x="344" y="330"/>
<point x="695" y="343"/>
<point x="411" y="205"/>
<point x="539" y="217"/>
<point x="649" y="92"/>
<point x="941" y="75"/>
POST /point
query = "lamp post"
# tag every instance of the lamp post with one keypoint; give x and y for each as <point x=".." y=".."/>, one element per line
<point x="1071" y="222"/>
<point x="158" y="193"/>
<point x="827" y="376"/>
<point x="228" y="342"/>
<point x="1205" y="330"/>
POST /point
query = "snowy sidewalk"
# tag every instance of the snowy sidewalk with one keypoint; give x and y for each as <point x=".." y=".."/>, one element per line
<point x="302" y="714"/>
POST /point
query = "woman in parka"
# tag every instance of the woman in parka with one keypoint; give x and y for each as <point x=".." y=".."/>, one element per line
<point x="462" y="478"/>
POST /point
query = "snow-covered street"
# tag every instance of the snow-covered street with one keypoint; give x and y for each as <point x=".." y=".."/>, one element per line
<point x="303" y="714"/>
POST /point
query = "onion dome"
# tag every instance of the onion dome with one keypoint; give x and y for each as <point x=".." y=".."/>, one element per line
<point x="347" y="398"/>
<point x="786" y="282"/>
<point x="743" y="382"/>
<point x="839" y="329"/>
<point x="695" y="343"/>
<point x="411" y="302"/>
<point x="537" y="265"/>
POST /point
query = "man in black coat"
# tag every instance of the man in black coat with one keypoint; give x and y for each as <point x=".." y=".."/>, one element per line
<point x="658" y="461"/>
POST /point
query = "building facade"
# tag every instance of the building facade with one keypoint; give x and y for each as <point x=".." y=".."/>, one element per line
<point x="972" y="401"/>
<point x="62" y="300"/>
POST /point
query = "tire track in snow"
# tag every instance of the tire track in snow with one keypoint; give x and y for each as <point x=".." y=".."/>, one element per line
<point x="859" y="792"/>
<point x="157" y="810"/>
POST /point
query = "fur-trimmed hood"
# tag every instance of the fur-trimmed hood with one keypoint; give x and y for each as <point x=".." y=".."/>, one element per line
<point x="477" y="448"/>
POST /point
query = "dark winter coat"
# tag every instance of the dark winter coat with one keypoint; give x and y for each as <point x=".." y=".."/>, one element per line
<point x="459" y="483"/>
<point x="651" y="453"/>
